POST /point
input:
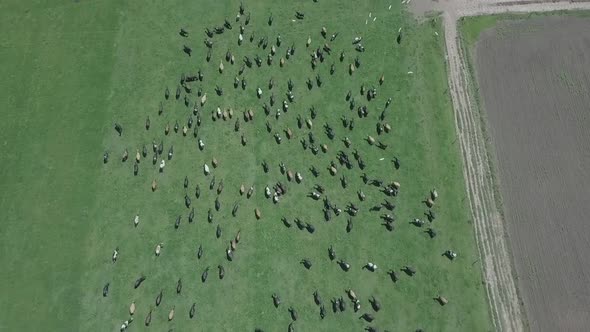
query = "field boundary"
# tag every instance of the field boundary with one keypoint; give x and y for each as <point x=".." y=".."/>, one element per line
<point x="506" y="308"/>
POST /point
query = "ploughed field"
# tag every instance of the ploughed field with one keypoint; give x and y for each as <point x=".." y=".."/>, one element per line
<point x="387" y="187"/>
<point x="534" y="81"/>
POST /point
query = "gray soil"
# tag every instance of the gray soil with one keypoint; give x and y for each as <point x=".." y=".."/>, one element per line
<point x="534" y="81"/>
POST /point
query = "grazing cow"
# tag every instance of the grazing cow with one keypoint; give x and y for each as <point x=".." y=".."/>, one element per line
<point x="105" y="289"/>
<point x="299" y="223"/>
<point x="388" y="225"/>
<point x="276" y="300"/>
<point x="132" y="308"/>
<point x="429" y="202"/>
<point x="177" y="223"/>
<point x="388" y="205"/>
<point x="200" y="252"/>
<point x="441" y="300"/>
<point x="433" y="194"/>
<point x="119" y="129"/>
<point x="170" y="152"/>
<point x="138" y="281"/>
<point x="393" y="275"/>
<point x="430" y="215"/>
<point x="234" y="211"/>
<point x="317" y="298"/>
<point x="179" y="286"/>
<point x="450" y="254"/>
<point x="221" y="271"/>
<point x="370" y="266"/>
<point x="417" y="222"/>
<point x="335" y="304"/>
<point x="344" y="265"/>
<point x="115" y="254"/>
<point x="205" y="274"/>
<point x="159" y="298"/>
<point x="286" y="222"/>
<point x="361" y="195"/>
<point x="229" y="254"/>
<point x="125" y="155"/>
<point x="375" y="303"/>
<point x="431" y="232"/>
<point x="158" y="249"/>
<point x="341" y="304"/>
<point x="293" y="313"/>
<point x="367" y="317"/>
<point x="160" y="147"/>
<point x="193" y="310"/>
<point x="348" y="225"/>
<point x="218" y="231"/>
<point x="409" y="270"/>
<point x="148" y="318"/>
<point x="351" y="295"/>
<point x="322" y="312"/>
<point x="357" y="305"/>
<point x="306" y="263"/>
<point x="187" y="50"/>
<point x="291" y="327"/>
<point x="331" y="253"/>
<point x="171" y="314"/>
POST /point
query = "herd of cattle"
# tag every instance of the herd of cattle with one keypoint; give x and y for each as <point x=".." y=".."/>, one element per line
<point x="349" y="157"/>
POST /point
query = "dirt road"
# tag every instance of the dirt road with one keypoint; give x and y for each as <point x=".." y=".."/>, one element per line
<point x="506" y="309"/>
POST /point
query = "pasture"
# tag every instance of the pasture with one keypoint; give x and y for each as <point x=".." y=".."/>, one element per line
<point x="75" y="68"/>
<point x="533" y="82"/>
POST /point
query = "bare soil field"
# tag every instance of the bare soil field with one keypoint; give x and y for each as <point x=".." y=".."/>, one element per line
<point x="534" y="81"/>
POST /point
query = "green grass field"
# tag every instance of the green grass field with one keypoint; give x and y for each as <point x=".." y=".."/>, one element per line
<point x="72" y="69"/>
